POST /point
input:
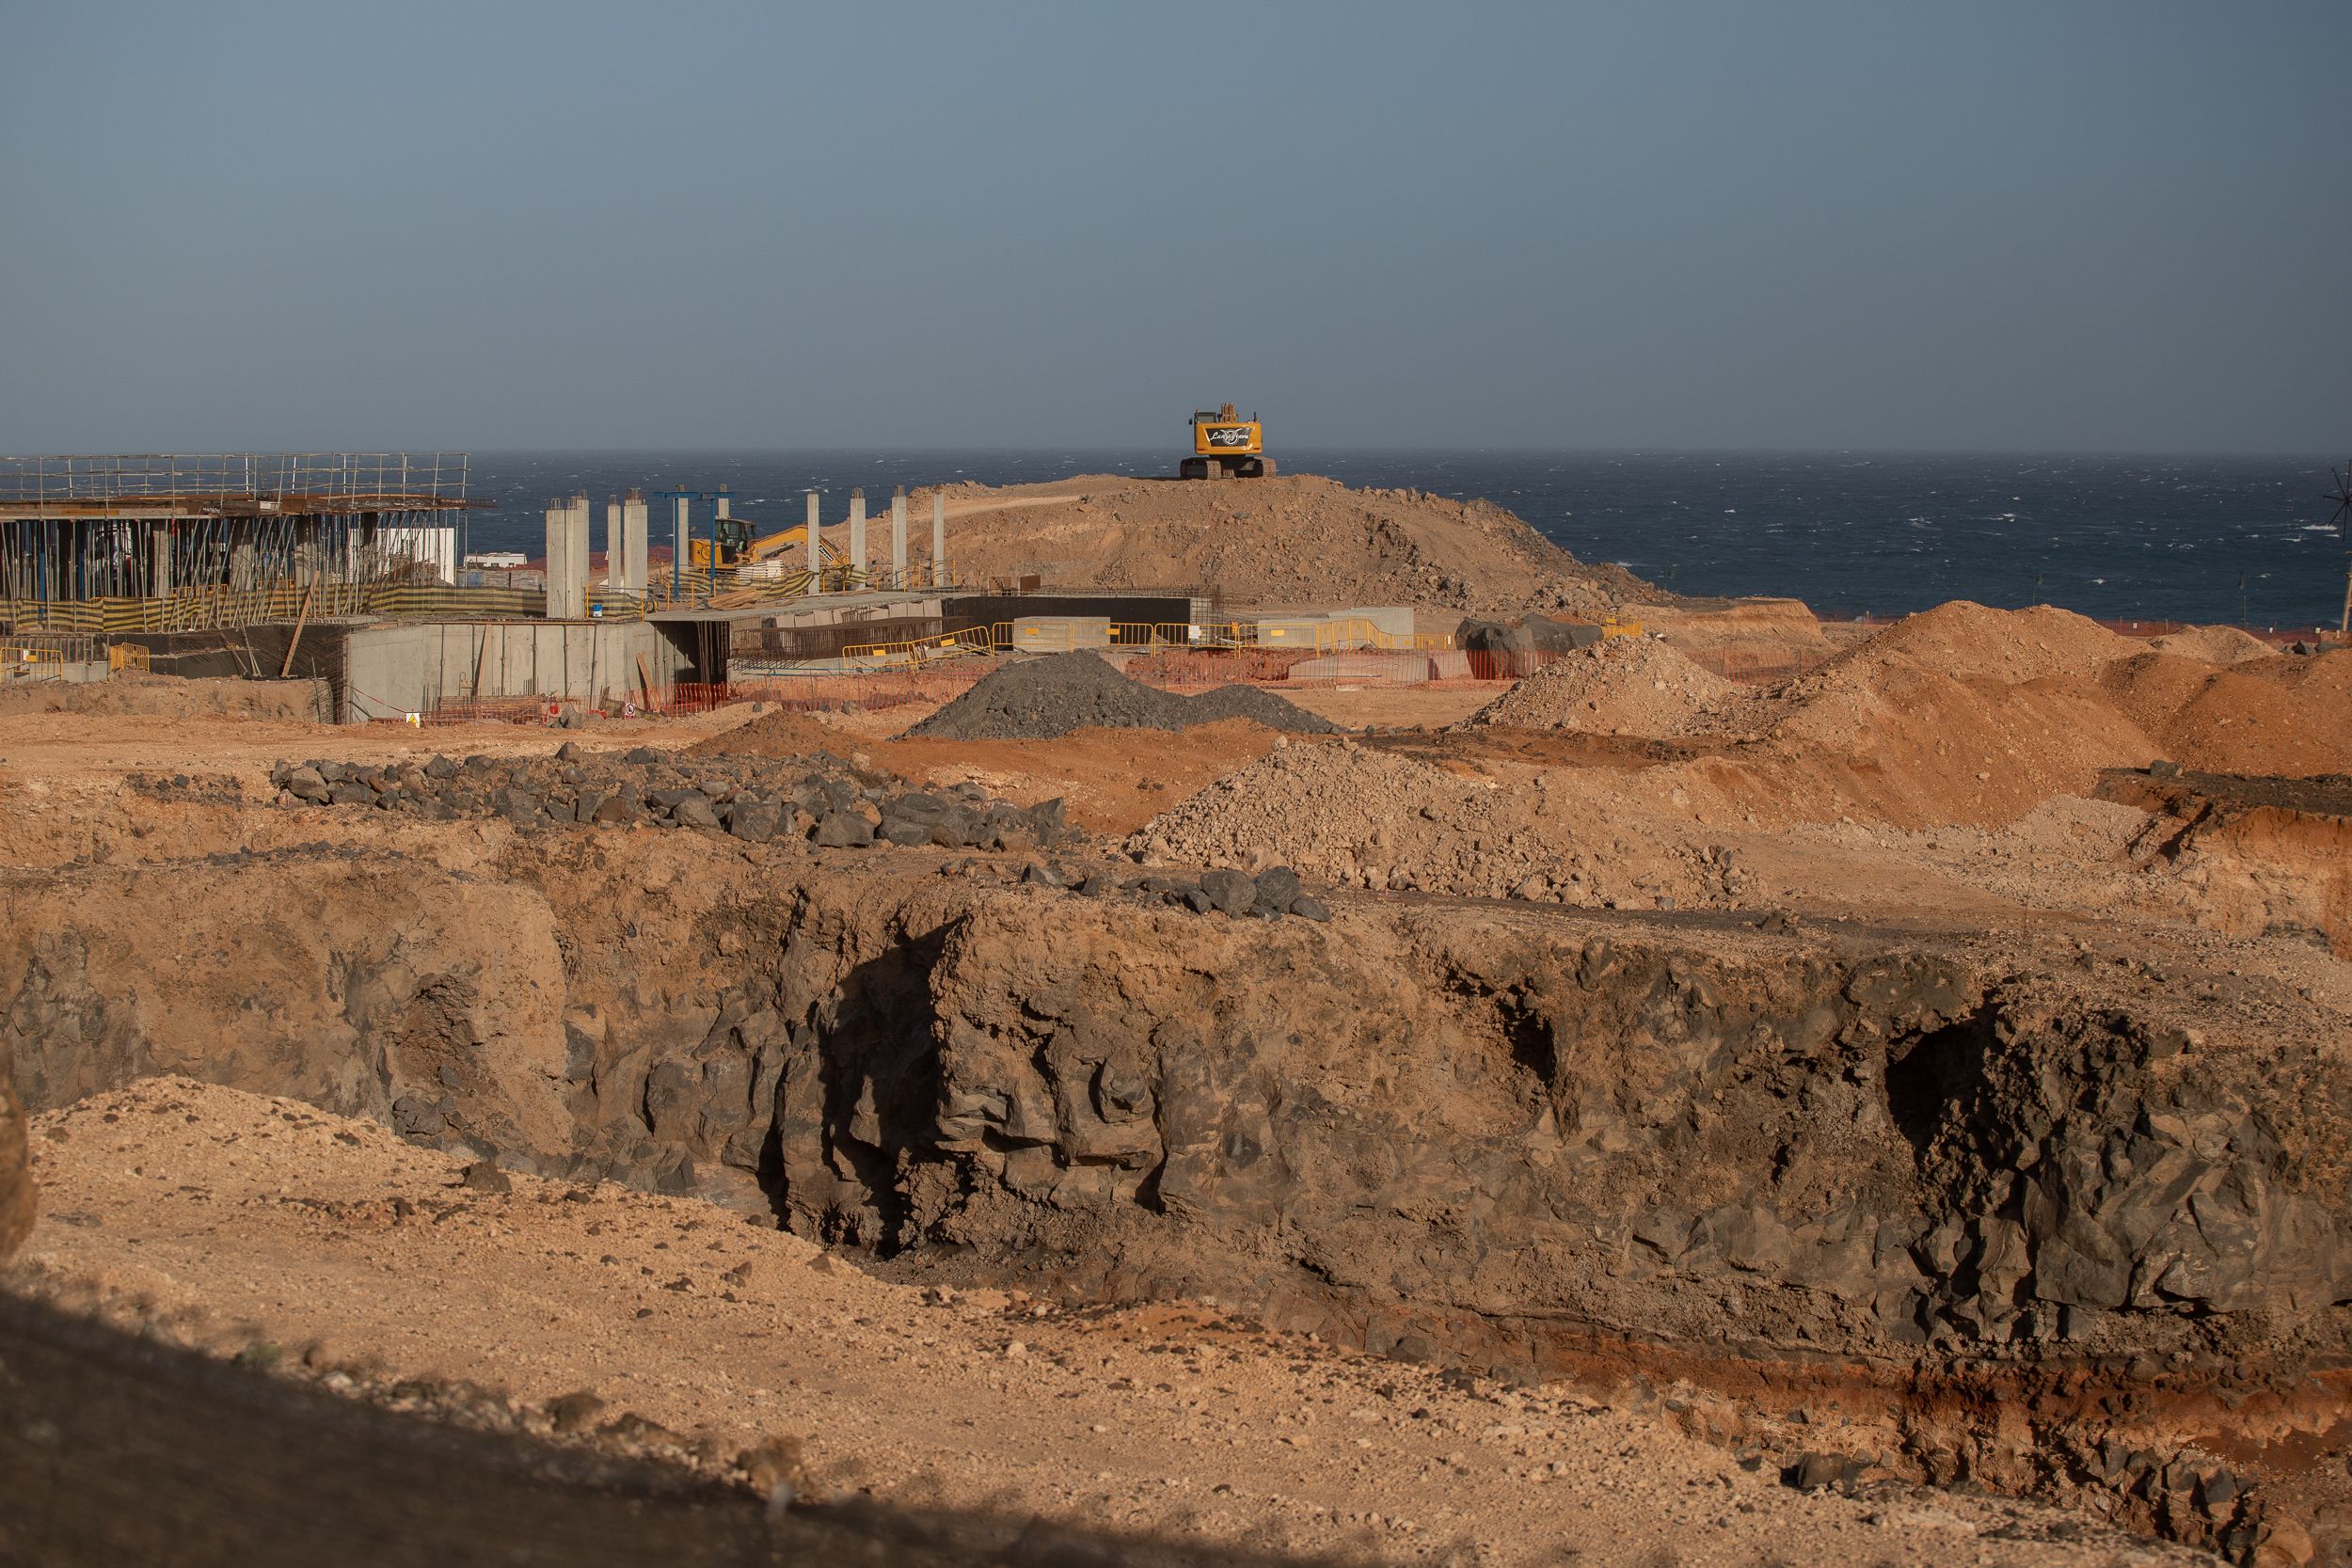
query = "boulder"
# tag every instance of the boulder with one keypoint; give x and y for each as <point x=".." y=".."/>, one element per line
<point x="841" y="828"/>
<point x="755" y="821"/>
<point x="1277" y="887"/>
<point x="1232" y="891"/>
<point x="958" y="828"/>
<point x="1046" y="821"/>
<point x="415" y="1117"/>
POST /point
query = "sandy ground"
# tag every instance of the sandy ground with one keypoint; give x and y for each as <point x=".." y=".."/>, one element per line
<point x="58" y="743"/>
<point x="235" y="1222"/>
<point x="1431" y="708"/>
<point x="1943" y="777"/>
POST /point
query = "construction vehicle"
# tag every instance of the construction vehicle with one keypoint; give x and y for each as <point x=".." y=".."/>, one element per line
<point x="735" y="546"/>
<point x="1225" y="444"/>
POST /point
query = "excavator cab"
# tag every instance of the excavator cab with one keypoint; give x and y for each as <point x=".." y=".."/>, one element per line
<point x="735" y="537"/>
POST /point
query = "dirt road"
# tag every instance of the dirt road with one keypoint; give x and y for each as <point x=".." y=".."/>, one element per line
<point x="242" y="1223"/>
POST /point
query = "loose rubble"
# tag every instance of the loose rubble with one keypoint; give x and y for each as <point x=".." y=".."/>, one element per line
<point x="827" y="802"/>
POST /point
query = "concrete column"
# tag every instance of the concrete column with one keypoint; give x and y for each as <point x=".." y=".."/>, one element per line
<point x="614" y="537"/>
<point x="159" y="552"/>
<point x="633" y="541"/>
<point x="559" y="544"/>
<point x="579" y="555"/>
<point x="813" y="527"/>
<point x="899" y="537"/>
<point x="677" y="559"/>
<point x="857" y="530"/>
<point x="723" y="502"/>
<point x="559" y="558"/>
<point x="939" y="538"/>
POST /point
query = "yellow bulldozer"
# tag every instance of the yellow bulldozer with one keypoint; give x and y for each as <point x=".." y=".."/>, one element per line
<point x="1225" y="444"/>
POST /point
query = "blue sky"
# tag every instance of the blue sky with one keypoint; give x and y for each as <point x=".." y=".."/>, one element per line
<point x="2079" y="226"/>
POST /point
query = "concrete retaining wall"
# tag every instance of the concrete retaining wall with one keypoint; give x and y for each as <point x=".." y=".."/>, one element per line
<point x="392" y="671"/>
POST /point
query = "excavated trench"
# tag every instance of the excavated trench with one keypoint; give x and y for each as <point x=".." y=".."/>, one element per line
<point x="1866" y="1200"/>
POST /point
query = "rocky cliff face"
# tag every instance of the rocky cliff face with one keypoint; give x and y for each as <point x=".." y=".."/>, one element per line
<point x="16" y="1176"/>
<point x="1868" y="1167"/>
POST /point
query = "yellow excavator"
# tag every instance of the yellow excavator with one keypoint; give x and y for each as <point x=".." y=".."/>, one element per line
<point x="1226" y="445"/>
<point x="735" y="546"/>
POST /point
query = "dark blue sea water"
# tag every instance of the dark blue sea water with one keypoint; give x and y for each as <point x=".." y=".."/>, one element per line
<point x="2239" y="538"/>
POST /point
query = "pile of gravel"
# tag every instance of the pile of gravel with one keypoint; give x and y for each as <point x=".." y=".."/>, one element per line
<point x="1037" y="699"/>
<point x="1254" y="703"/>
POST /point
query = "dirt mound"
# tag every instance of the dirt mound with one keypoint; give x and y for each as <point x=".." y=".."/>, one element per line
<point x="2213" y="644"/>
<point x="2288" y="716"/>
<point x="1961" y="714"/>
<point x="1761" y="633"/>
<point x="1967" y="640"/>
<point x="1036" y="699"/>
<point x="173" y="697"/>
<point x="785" y="732"/>
<point x="1294" y="538"/>
<point x="1620" y="686"/>
<point x="1368" y="817"/>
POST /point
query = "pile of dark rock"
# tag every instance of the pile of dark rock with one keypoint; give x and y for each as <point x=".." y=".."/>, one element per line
<point x="757" y="799"/>
<point x="1268" y="896"/>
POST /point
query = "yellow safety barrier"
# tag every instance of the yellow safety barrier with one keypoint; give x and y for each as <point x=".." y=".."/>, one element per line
<point x="1152" y="634"/>
<point x="969" y="639"/>
<point x="411" y="602"/>
<point x="209" y="608"/>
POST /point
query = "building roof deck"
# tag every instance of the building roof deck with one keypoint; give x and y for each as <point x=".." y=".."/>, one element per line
<point x="164" y="485"/>
<point x="222" y="505"/>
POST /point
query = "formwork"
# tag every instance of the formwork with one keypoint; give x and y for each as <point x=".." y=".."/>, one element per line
<point x="173" y="541"/>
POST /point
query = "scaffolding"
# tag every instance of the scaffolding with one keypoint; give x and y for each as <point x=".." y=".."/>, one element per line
<point x="220" y="536"/>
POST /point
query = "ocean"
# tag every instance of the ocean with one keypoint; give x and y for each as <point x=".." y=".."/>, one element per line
<point x="2235" y="539"/>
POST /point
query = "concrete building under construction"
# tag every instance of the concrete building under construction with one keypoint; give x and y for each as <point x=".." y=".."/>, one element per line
<point x="346" y="569"/>
<point x="167" y="542"/>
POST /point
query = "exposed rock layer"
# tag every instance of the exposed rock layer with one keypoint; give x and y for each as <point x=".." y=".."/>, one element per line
<point x="1529" y="1141"/>
<point x="16" y="1176"/>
